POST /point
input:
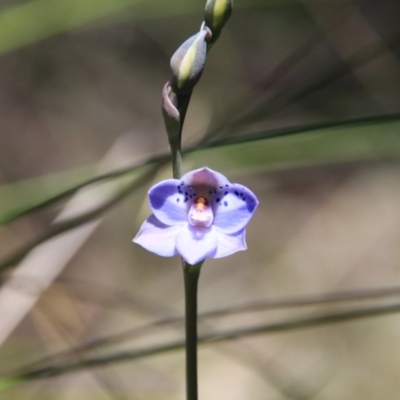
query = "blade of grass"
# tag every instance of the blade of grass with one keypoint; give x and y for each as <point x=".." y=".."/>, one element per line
<point x="262" y="305"/>
<point x="76" y="221"/>
<point x="293" y="324"/>
<point x="261" y="107"/>
<point x="36" y="20"/>
<point x="46" y="202"/>
<point x="373" y="136"/>
<point x="351" y="141"/>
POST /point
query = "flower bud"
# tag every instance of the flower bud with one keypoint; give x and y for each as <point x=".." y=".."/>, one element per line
<point x="170" y="113"/>
<point x="217" y="12"/>
<point x="187" y="63"/>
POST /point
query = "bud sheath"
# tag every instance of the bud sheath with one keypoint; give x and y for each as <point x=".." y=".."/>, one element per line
<point x="188" y="61"/>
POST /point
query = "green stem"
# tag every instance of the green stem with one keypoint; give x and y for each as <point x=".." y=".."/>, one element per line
<point x="182" y="103"/>
<point x="176" y="161"/>
<point x="191" y="272"/>
<point x="191" y="276"/>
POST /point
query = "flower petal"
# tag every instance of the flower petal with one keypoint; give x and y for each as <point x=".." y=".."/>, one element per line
<point x="170" y="201"/>
<point x="234" y="208"/>
<point x="204" y="179"/>
<point x="229" y="244"/>
<point x="194" y="244"/>
<point x="158" y="237"/>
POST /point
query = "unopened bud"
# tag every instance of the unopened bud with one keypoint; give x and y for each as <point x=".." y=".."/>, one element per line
<point x="188" y="61"/>
<point x="171" y="114"/>
<point x="217" y="12"/>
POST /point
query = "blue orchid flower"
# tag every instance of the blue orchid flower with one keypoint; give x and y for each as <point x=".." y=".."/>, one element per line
<point x="201" y="215"/>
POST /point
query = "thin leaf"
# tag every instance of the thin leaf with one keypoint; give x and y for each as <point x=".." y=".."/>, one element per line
<point x="40" y="200"/>
<point x="33" y="21"/>
<point x="64" y="226"/>
<point x="262" y="305"/>
<point x="293" y="324"/>
<point x="261" y="107"/>
<point x="363" y="139"/>
<point x="349" y="141"/>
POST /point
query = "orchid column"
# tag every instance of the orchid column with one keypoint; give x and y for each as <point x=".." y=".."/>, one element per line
<point x="200" y="214"/>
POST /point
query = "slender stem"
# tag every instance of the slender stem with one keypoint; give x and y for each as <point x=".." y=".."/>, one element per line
<point x="182" y="104"/>
<point x="191" y="272"/>
<point x="191" y="276"/>
<point x="176" y="161"/>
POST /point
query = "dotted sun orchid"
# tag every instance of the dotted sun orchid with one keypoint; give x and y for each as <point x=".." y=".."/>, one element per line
<point x="201" y="215"/>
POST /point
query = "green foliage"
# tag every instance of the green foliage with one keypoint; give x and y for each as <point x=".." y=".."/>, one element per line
<point x="20" y="198"/>
<point x="39" y="19"/>
<point x="369" y="139"/>
<point x="35" y="20"/>
<point x="353" y="141"/>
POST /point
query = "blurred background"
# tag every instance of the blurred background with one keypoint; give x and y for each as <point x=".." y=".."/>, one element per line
<point x="304" y="99"/>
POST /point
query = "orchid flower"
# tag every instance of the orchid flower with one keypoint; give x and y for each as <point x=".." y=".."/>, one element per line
<point x="201" y="215"/>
